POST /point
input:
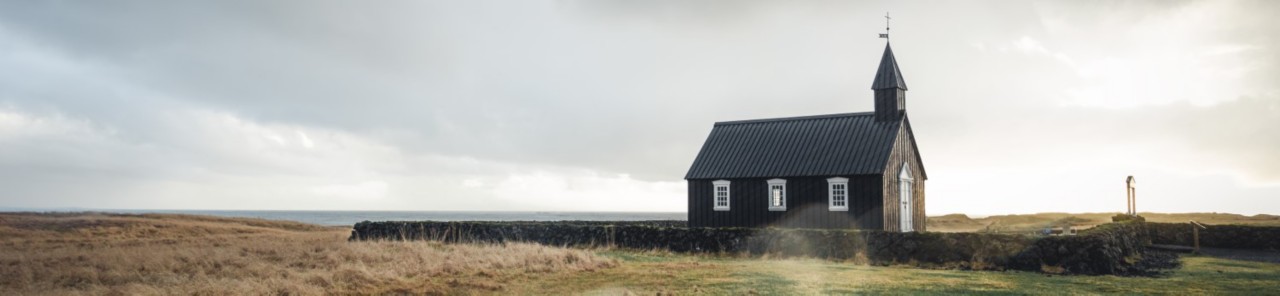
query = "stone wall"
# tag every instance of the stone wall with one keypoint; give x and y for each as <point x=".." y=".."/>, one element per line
<point x="1109" y="249"/>
<point x="1114" y="248"/>
<point x="1218" y="236"/>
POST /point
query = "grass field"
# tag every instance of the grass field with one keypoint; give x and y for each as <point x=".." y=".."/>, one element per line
<point x="182" y="255"/>
<point x="178" y="254"/>
<point x="681" y="274"/>
<point x="1033" y="222"/>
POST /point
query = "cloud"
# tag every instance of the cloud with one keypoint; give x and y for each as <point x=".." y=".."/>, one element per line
<point x="363" y="190"/>
<point x="1027" y="45"/>
<point x="223" y="161"/>
<point x="602" y="105"/>
<point x="1161" y="53"/>
<point x="306" y="141"/>
<point x="587" y="190"/>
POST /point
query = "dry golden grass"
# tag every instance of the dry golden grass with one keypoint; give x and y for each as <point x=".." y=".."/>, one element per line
<point x="177" y="254"/>
<point x="89" y="253"/>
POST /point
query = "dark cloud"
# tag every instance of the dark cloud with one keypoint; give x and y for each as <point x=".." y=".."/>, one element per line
<point x="619" y="87"/>
<point x="454" y="79"/>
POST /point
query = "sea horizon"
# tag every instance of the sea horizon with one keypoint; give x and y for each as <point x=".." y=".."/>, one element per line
<point x="339" y="217"/>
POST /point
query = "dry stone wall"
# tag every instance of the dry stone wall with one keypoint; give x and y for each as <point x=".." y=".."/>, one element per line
<point x="1114" y="248"/>
<point x="1219" y="236"/>
<point x="1110" y="249"/>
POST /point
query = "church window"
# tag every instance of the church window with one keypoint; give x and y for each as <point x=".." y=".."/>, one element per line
<point x="777" y="195"/>
<point x="721" y="195"/>
<point x="838" y="194"/>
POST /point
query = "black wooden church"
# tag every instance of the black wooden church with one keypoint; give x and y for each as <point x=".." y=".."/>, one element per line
<point x="848" y="170"/>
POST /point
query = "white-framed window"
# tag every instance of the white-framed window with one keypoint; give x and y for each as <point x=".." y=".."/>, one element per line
<point x="838" y="194"/>
<point x="720" y="195"/>
<point x="777" y="194"/>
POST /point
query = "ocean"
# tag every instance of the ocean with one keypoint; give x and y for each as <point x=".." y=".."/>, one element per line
<point x="334" y="218"/>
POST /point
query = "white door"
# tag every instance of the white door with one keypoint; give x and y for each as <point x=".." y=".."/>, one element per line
<point x="906" y="206"/>
<point x="904" y="195"/>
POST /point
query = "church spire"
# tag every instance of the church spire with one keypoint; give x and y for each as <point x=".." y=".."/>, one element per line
<point x="890" y="89"/>
<point x="888" y="76"/>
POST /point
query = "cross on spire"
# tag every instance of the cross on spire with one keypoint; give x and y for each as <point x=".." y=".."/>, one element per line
<point x="886" y="26"/>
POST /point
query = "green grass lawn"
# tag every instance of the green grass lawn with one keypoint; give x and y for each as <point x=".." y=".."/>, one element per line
<point x="647" y="273"/>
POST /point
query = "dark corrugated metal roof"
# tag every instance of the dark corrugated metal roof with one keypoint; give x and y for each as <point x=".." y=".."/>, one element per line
<point x="821" y="145"/>
<point x="888" y="76"/>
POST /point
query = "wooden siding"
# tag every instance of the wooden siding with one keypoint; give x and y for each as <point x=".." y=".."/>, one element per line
<point x="904" y="150"/>
<point x="806" y="204"/>
<point x="889" y="104"/>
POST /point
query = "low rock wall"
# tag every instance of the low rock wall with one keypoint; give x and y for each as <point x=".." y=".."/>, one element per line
<point x="1114" y="248"/>
<point x="1218" y="236"/>
<point x="1106" y="250"/>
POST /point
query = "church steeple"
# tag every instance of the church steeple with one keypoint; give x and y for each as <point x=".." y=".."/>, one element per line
<point x="890" y="88"/>
<point x="888" y="76"/>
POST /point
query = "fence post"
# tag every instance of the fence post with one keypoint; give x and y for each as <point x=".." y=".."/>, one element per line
<point x="1195" y="234"/>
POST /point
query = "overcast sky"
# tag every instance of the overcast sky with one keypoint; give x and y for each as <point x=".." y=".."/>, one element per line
<point x="1018" y="107"/>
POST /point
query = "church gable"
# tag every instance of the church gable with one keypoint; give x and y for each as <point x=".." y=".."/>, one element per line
<point x="906" y="150"/>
